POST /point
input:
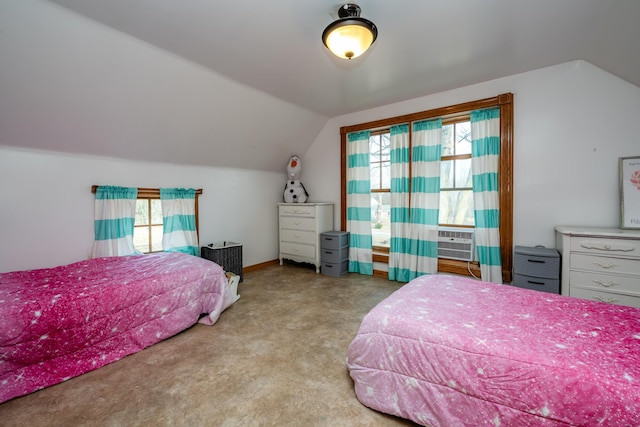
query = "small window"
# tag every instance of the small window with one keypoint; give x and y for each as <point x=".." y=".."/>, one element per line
<point x="147" y="231"/>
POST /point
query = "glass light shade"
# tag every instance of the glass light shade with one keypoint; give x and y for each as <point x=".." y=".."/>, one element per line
<point x="349" y="37"/>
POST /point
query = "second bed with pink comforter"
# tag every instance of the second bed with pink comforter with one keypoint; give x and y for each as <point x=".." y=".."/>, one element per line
<point x="61" y="322"/>
<point x="449" y="351"/>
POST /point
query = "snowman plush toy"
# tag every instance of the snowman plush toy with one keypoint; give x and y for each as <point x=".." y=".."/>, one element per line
<point x="294" y="191"/>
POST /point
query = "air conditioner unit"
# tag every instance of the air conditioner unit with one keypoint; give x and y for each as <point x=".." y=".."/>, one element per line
<point x="457" y="243"/>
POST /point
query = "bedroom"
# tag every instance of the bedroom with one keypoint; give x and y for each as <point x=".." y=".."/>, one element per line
<point x="565" y="165"/>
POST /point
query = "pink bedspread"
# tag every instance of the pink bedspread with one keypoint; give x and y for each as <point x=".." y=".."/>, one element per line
<point x="61" y="322"/>
<point x="449" y="351"/>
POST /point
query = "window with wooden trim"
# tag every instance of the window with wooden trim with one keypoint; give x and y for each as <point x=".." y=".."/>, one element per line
<point x="148" y="225"/>
<point x="455" y="116"/>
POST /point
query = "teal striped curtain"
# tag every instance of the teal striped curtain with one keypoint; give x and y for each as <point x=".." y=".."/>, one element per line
<point x="179" y="220"/>
<point x="485" y="161"/>
<point x="115" y="213"/>
<point x="425" y="195"/>
<point x="414" y="213"/>
<point x="359" y="203"/>
<point x="400" y="245"/>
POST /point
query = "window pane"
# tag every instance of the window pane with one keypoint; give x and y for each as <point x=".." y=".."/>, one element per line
<point x="156" y="238"/>
<point x="381" y="219"/>
<point x="447" y="140"/>
<point x="142" y="212"/>
<point x="446" y="174"/>
<point x="141" y="238"/>
<point x="463" y="173"/>
<point x="156" y="211"/>
<point x="374" y="147"/>
<point x="463" y="138"/>
<point x="386" y="175"/>
<point x="456" y="207"/>
<point x="385" y="146"/>
<point x="374" y="175"/>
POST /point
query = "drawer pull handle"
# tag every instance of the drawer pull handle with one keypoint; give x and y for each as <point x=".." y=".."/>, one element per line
<point x="608" y="266"/>
<point x="607" y="247"/>
<point x="539" y="261"/>
<point x="602" y="299"/>
<point x="535" y="283"/>
<point x="605" y="284"/>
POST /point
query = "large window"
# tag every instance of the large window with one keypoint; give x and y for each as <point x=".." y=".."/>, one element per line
<point x="380" y="165"/>
<point x="456" y="195"/>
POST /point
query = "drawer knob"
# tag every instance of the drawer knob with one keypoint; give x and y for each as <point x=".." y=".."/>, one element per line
<point x="605" y="284"/>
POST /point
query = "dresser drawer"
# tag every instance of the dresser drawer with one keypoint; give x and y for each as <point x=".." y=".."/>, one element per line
<point x="603" y="264"/>
<point x="604" y="246"/>
<point x="608" y="297"/>
<point x="298" y="250"/>
<point x="302" y="211"/>
<point x="334" y="255"/>
<point x="537" y="283"/>
<point x="605" y="282"/>
<point x="297" y="223"/>
<point x="297" y="236"/>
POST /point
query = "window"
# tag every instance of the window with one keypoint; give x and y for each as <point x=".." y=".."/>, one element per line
<point x="456" y="203"/>
<point x="148" y="226"/>
<point x="456" y="193"/>
<point x="380" y="165"/>
<point x="147" y="230"/>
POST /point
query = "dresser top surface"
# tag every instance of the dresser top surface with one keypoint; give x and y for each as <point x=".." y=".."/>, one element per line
<point x="598" y="232"/>
<point x="305" y="204"/>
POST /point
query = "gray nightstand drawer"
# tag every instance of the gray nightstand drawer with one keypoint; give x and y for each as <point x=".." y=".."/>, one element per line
<point x="334" y="255"/>
<point x="537" y="262"/>
<point x="537" y="283"/>
<point x="334" y="239"/>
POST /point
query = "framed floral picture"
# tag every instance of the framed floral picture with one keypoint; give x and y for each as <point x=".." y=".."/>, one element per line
<point x="629" y="192"/>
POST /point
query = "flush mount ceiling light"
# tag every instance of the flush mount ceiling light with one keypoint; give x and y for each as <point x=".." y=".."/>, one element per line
<point x="350" y="36"/>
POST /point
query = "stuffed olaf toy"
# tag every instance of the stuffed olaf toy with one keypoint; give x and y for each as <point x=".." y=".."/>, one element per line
<point x="294" y="191"/>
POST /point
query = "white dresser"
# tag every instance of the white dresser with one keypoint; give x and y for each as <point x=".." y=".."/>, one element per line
<point x="601" y="264"/>
<point x="300" y="228"/>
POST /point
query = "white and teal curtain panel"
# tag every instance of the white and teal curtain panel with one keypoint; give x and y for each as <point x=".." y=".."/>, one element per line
<point x="485" y="162"/>
<point x="400" y="258"/>
<point x="359" y="203"/>
<point x="179" y="220"/>
<point x="425" y="196"/>
<point x="115" y="212"/>
<point x="415" y="204"/>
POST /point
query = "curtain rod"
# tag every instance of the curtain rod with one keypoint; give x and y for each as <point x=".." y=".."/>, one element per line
<point x="94" y="188"/>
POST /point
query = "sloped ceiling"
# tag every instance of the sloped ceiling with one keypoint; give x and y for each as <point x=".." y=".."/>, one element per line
<point x="248" y="83"/>
<point x="424" y="46"/>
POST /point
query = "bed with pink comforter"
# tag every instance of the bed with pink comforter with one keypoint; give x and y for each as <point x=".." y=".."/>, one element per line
<point x="61" y="322"/>
<point x="449" y="351"/>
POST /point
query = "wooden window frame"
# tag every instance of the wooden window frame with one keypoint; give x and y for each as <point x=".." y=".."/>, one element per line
<point x="505" y="177"/>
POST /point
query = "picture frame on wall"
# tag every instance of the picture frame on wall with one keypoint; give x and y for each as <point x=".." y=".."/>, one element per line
<point x="629" y="192"/>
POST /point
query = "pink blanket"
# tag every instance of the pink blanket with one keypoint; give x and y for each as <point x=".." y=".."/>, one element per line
<point x="61" y="322"/>
<point x="449" y="351"/>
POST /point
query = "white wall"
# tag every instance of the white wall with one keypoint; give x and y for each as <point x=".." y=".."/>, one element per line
<point x="46" y="209"/>
<point x="572" y="122"/>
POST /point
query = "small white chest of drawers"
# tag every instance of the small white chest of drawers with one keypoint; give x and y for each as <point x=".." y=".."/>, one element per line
<point x="601" y="264"/>
<point x="300" y="227"/>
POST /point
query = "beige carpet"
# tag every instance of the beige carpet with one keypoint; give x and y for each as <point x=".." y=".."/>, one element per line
<point x="275" y="358"/>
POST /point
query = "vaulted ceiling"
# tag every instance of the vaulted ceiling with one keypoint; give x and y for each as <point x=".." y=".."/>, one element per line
<point x="424" y="46"/>
<point x="246" y="84"/>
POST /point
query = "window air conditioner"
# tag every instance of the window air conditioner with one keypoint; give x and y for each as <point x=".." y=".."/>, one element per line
<point x="457" y="243"/>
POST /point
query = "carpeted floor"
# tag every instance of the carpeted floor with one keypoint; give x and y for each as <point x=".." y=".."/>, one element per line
<point x="275" y="358"/>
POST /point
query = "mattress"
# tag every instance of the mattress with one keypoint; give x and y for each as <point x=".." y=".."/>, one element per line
<point x="61" y="322"/>
<point x="450" y="351"/>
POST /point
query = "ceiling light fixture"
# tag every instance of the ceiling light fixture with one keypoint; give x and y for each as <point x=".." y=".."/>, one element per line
<point x="350" y="36"/>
